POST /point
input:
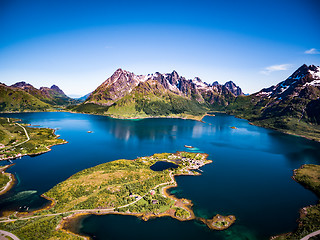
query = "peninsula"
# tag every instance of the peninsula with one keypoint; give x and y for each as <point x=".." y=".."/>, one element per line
<point x="309" y="222"/>
<point x="127" y="187"/>
<point x="17" y="139"/>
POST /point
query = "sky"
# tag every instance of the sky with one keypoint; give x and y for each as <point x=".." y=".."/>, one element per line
<point x="79" y="44"/>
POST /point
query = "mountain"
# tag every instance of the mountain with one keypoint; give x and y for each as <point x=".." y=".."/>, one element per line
<point x="16" y="99"/>
<point x="125" y="94"/>
<point x="53" y="95"/>
<point x="83" y="98"/>
<point x="291" y="106"/>
<point x="233" y="88"/>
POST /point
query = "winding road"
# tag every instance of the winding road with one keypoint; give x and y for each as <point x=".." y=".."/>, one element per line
<point x="96" y="209"/>
<point x="5" y="234"/>
<point x="311" y="235"/>
<point x="27" y="135"/>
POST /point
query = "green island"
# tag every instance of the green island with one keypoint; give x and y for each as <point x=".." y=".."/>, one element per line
<point x="127" y="187"/>
<point x="309" y="222"/>
<point x="17" y="139"/>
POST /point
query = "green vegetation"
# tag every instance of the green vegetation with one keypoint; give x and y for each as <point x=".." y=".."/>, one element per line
<point x="127" y="186"/>
<point x="148" y="99"/>
<point x="12" y="99"/>
<point x="288" y="116"/>
<point x="4" y="178"/>
<point x="38" y="228"/>
<point x="14" y="141"/>
<point x="89" y="108"/>
<point x="115" y="184"/>
<point x="182" y="213"/>
<point x="308" y="176"/>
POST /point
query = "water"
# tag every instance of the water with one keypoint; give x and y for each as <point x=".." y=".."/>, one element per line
<point x="250" y="176"/>
<point x="162" y="165"/>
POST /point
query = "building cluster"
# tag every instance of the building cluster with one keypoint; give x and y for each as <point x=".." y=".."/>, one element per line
<point x="193" y="163"/>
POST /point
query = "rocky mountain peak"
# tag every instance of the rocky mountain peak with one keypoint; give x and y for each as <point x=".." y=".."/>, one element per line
<point x="298" y="84"/>
<point x="232" y="87"/>
<point x="122" y="83"/>
<point x="21" y="84"/>
<point x="57" y="89"/>
<point x="215" y="83"/>
<point x="175" y="74"/>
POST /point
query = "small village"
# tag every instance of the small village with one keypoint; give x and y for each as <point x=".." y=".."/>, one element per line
<point x="193" y="163"/>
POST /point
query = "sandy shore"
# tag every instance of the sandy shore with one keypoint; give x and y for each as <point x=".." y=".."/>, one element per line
<point x="11" y="182"/>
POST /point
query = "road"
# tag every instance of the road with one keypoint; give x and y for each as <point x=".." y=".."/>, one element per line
<point x="311" y="235"/>
<point x="27" y="135"/>
<point x="96" y="209"/>
<point x="25" y="131"/>
<point x="3" y="235"/>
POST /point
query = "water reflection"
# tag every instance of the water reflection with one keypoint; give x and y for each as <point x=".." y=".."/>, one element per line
<point x="150" y="129"/>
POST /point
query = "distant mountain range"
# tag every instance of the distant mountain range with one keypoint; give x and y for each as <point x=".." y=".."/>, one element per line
<point x="127" y="95"/>
<point x="292" y="106"/>
<point x="22" y="96"/>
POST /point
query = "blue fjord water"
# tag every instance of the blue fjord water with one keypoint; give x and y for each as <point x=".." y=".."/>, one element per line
<point x="250" y="176"/>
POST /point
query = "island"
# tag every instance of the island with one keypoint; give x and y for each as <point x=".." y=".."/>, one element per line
<point x="17" y="139"/>
<point x="129" y="187"/>
<point x="309" y="222"/>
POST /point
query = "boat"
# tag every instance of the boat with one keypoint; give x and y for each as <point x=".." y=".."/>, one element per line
<point x="187" y="146"/>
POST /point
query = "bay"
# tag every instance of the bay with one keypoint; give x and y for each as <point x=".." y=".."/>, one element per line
<point x="250" y="176"/>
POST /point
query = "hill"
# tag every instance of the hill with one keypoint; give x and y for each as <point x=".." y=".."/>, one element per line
<point x="16" y="99"/>
<point x="53" y="95"/>
<point x="126" y="95"/>
<point x="292" y="106"/>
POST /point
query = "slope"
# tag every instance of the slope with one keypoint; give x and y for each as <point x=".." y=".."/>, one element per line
<point x="292" y="106"/>
<point x="14" y="99"/>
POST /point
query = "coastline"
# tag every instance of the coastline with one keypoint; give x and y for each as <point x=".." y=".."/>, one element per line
<point x="195" y="118"/>
<point x="11" y="182"/>
<point x="272" y="128"/>
<point x="72" y="217"/>
<point x="200" y="119"/>
<point x="48" y="148"/>
<point x="303" y="212"/>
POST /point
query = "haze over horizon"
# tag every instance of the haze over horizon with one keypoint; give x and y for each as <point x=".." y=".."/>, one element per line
<point x="76" y="46"/>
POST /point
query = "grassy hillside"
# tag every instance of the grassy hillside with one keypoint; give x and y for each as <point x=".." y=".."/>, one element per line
<point x="121" y="186"/>
<point x="39" y="228"/>
<point x="148" y="99"/>
<point x="14" y="141"/>
<point x="308" y="176"/>
<point x="55" y="97"/>
<point x="17" y="100"/>
<point x="287" y="116"/>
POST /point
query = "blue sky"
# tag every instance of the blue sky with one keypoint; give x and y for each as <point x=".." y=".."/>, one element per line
<point x="78" y="44"/>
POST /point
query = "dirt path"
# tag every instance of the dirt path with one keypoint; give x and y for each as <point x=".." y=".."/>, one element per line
<point x="4" y="234"/>
<point x="311" y="235"/>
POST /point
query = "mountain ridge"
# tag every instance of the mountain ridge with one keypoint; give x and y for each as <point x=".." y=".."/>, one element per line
<point x="124" y="81"/>
<point x="53" y="95"/>
<point x="160" y="91"/>
<point x="292" y="106"/>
